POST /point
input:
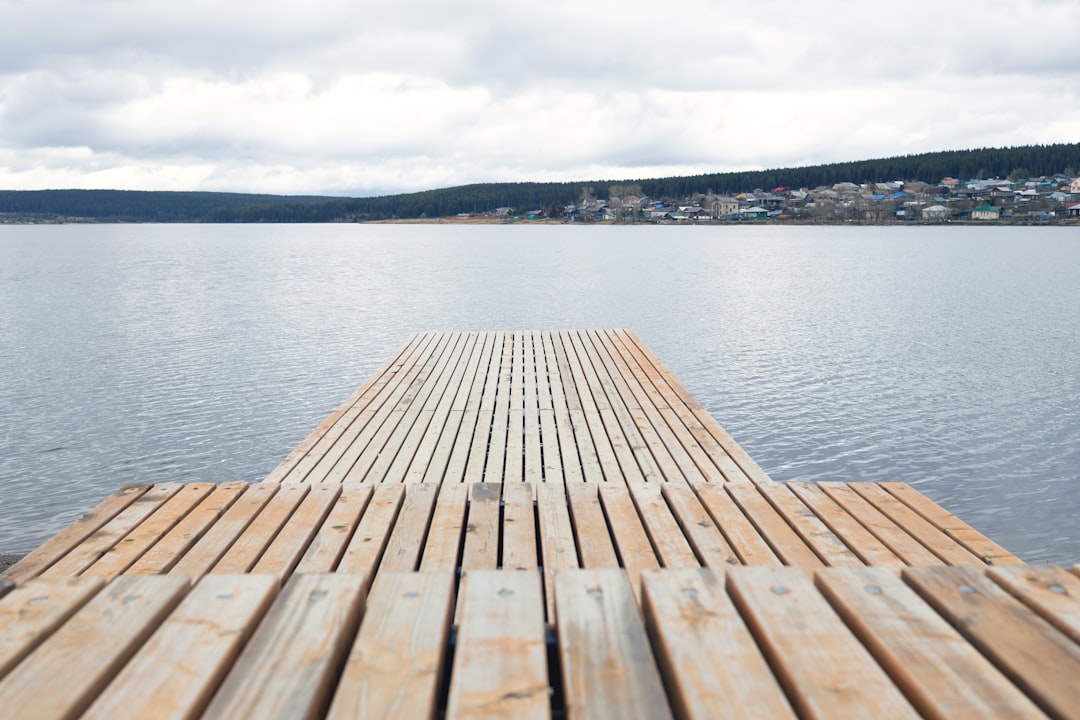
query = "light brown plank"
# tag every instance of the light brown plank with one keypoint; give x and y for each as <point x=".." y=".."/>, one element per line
<point x="108" y="535"/>
<point x="403" y="548"/>
<point x="222" y="534"/>
<point x="950" y="551"/>
<point x="711" y="666"/>
<point x="32" y="612"/>
<point x="861" y="541"/>
<point x="483" y="410"/>
<point x="481" y="551"/>
<point x="823" y="668"/>
<point x="495" y="468"/>
<point x="257" y="536"/>
<point x="698" y="527"/>
<point x="519" y="548"/>
<point x="515" y="430"/>
<point x="396" y="664"/>
<point x="366" y="547"/>
<point x="590" y="527"/>
<point x="534" y="462"/>
<point x="177" y="671"/>
<point x="907" y="548"/>
<point x="809" y="526"/>
<point x="588" y="422"/>
<point x="940" y="673"/>
<point x="672" y="548"/>
<point x="443" y="546"/>
<point x="89" y="649"/>
<point x="70" y="537"/>
<point x="980" y="545"/>
<point x="1040" y="660"/>
<point x="288" y="667"/>
<point x="608" y="669"/>
<point x="773" y="527"/>
<point x="500" y="665"/>
<point x="456" y="447"/>
<point x="126" y="552"/>
<point x="177" y="542"/>
<point x="740" y="533"/>
<point x="329" y="544"/>
<point x="290" y="544"/>
<point x="558" y="550"/>
<point x="1052" y="592"/>
<point x="569" y="461"/>
<point x="631" y="541"/>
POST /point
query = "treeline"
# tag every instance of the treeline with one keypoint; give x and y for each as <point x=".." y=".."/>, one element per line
<point x="135" y="206"/>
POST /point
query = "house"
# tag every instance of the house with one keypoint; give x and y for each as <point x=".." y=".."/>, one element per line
<point x="986" y="212"/>
<point x="1073" y="210"/>
<point x="754" y="213"/>
<point x="1074" y="187"/>
<point x="935" y="213"/>
<point x="722" y="206"/>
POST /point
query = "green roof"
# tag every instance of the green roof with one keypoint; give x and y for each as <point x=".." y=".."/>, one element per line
<point x="986" y="208"/>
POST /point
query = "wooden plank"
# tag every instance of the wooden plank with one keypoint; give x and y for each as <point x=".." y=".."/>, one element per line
<point x="292" y="541"/>
<point x="710" y="664"/>
<point x="444" y="540"/>
<point x="484" y="412"/>
<point x="588" y="422"/>
<point x="590" y="526"/>
<point x="907" y="548"/>
<point x="126" y="552"/>
<point x="550" y="450"/>
<point x="631" y="541"/>
<point x="74" y="534"/>
<point x="940" y="673"/>
<point x="514" y="470"/>
<point x="219" y="537"/>
<point x="950" y="551"/>
<point x="784" y="541"/>
<point x="534" y="461"/>
<point x="519" y="546"/>
<point x="558" y="548"/>
<point x="176" y="672"/>
<point x="177" y="542"/>
<point x="608" y="669"/>
<point x="500" y="665"/>
<point x="822" y="667"/>
<point x="396" y="664"/>
<point x="1052" y="592"/>
<point x="455" y="447"/>
<point x="569" y="461"/>
<point x="328" y="545"/>
<point x="581" y="440"/>
<point x="808" y="526"/>
<point x="1040" y="660"/>
<point x="861" y="541"/>
<point x="740" y="533"/>
<point x="698" y="527"/>
<point x="407" y="539"/>
<point x="983" y="547"/>
<point x="66" y="672"/>
<point x="672" y="548"/>
<point x="323" y="436"/>
<point x="481" y="551"/>
<point x="495" y="467"/>
<point x="249" y="547"/>
<point x="288" y="668"/>
<point x="366" y="547"/>
<point x="108" y="535"/>
<point x="32" y="612"/>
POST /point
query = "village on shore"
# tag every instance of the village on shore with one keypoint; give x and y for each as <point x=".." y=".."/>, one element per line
<point x="1044" y="200"/>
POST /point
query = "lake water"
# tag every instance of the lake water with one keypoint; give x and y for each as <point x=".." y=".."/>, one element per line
<point x="948" y="358"/>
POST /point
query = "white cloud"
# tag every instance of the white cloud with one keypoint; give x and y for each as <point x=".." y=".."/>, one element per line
<point x="338" y="96"/>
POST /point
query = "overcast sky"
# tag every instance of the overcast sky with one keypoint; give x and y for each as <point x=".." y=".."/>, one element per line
<point x="361" y="97"/>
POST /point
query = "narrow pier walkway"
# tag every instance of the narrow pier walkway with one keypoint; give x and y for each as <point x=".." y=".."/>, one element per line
<point x="531" y="524"/>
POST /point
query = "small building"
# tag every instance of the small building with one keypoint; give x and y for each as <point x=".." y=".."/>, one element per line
<point x="986" y="212"/>
<point x="754" y="213"/>
<point x="1074" y="187"/>
<point x="1073" y="210"/>
<point x="935" y="213"/>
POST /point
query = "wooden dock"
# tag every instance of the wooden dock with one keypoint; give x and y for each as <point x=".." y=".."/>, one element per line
<point x="535" y="524"/>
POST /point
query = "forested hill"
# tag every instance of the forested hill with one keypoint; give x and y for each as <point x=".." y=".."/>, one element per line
<point x="132" y="206"/>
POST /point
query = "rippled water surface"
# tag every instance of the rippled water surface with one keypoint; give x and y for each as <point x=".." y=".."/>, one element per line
<point x="948" y="358"/>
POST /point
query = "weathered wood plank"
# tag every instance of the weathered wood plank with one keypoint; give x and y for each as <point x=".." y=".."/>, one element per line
<point x="1040" y="660"/>
<point x="823" y="668"/>
<point x="701" y="532"/>
<point x="590" y="526"/>
<point x="447" y="463"/>
<point x="329" y="543"/>
<point x="672" y="548"/>
<point x="176" y="672"/>
<point x="500" y="666"/>
<point x="710" y="663"/>
<point x="483" y="409"/>
<point x="177" y="542"/>
<point x="443" y="546"/>
<point x="288" y="667"/>
<point x="1052" y="592"/>
<point x="396" y="664"/>
<point x="741" y="534"/>
<point x="631" y="541"/>
<point x="894" y="537"/>
<point x="481" y="551"/>
<point x="940" y="673"/>
<point x="264" y="527"/>
<point x="571" y="454"/>
<point x="558" y="550"/>
<point x="534" y="461"/>
<point x="519" y="547"/>
<point x="66" y="672"/>
<point x="808" y="526"/>
<point x="284" y="552"/>
<point x="495" y="469"/>
<point x="407" y="538"/>
<point x="70" y="537"/>
<point x="980" y="545"/>
<point x="772" y="526"/>
<point x="32" y="612"/>
<point x="608" y="669"/>
<point x="220" y="537"/>
<point x="366" y="547"/>
<point x="861" y="541"/>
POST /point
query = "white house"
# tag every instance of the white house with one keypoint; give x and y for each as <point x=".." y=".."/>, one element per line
<point x="935" y="213"/>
